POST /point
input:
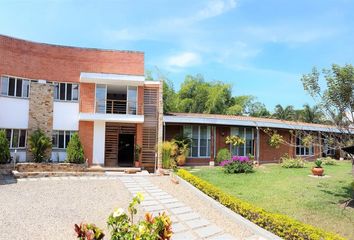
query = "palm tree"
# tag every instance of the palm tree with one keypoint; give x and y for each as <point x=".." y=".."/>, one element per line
<point x="311" y="114"/>
<point x="287" y="113"/>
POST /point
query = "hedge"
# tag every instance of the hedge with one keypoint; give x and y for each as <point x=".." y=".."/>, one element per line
<point x="281" y="225"/>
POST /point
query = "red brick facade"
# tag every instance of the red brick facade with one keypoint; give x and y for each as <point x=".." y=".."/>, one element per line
<point x="86" y="137"/>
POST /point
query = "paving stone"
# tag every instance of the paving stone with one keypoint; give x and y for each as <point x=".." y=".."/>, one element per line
<point x="174" y="205"/>
<point x="188" y="216"/>
<point x="224" y="237"/>
<point x="168" y="200"/>
<point x="207" y="231"/>
<point x="197" y="223"/>
<point x="154" y="190"/>
<point x="153" y="208"/>
<point x="174" y="219"/>
<point x="181" y="210"/>
<point x="149" y="203"/>
<point x="255" y="237"/>
<point x="183" y="236"/>
<point x="160" y="197"/>
<point x="154" y="194"/>
<point x="178" y="227"/>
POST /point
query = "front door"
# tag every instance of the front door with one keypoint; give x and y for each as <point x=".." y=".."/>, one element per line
<point x="126" y="150"/>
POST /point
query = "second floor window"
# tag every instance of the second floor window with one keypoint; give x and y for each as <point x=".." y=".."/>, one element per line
<point x="15" y="87"/>
<point x="66" y="91"/>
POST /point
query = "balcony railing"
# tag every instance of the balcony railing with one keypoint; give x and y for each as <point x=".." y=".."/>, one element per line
<point x="111" y="106"/>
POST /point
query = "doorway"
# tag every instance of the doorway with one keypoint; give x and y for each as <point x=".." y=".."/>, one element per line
<point x="126" y="150"/>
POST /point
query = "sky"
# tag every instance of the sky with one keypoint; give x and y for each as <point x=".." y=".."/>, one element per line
<point x="260" y="47"/>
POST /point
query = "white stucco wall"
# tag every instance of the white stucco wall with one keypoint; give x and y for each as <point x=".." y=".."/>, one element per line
<point x="66" y="116"/>
<point x="99" y="129"/>
<point x="20" y="155"/>
<point x="58" y="155"/>
<point x="14" y="112"/>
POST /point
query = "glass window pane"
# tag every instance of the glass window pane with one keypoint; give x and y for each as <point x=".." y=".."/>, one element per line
<point x="241" y="150"/>
<point x="203" y="151"/>
<point x="187" y="131"/>
<point x="68" y="91"/>
<point x="56" y="91"/>
<point x="19" y="88"/>
<point x="55" y="139"/>
<point x="62" y="91"/>
<point x="132" y="100"/>
<point x="75" y="92"/>
<point x="12" y="82"/>
<point x="67" y="138"/>
<point x="194" y="151"/>
<point x="25" y="88"/>
<point x="15" y="137"/>
<point x="61" y="139"/>
<point x="101" y="98"/>
<point x="8" y="136"/>
<point x="4" y="85"/>
<point x="22" y="142"/>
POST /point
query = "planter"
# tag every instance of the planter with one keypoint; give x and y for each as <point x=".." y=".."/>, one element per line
<point x="317" y="171"/>
<point x="136" y="164"/>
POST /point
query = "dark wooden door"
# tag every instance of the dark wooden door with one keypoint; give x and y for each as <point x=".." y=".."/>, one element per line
<point x="126" y="150"/>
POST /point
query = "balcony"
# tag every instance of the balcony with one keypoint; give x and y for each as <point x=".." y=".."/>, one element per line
<point x="113" y="106"/>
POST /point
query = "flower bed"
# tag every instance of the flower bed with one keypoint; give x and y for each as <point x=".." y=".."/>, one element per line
<point x="279" y="224"/>
<point x="237" y="164"/>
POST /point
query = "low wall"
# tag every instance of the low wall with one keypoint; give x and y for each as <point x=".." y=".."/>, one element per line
<point x="50" y="167"/>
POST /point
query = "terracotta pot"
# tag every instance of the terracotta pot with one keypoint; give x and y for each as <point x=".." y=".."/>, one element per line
<point x="317" y="171"/>
<point x="181" y="160"/>
<point x="137" y="164"/>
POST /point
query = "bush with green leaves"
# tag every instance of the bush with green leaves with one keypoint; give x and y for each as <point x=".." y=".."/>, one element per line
<point x="39" y="143"/>
<point x="289" y="162"/>
<point x="237" y="164"/>
<point x="328" y="161"/>
<point x="318" y="163"/>
<point x="5" y="156"/>
<point x="223" y="154"/>
<point x="74" y="150"/>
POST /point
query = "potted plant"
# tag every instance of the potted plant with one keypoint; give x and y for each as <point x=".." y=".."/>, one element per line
<point x="137" y="155"/>
<point x="317" y="170"/>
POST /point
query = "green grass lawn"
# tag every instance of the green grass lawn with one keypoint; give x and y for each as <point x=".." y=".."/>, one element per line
<point x="292" y="192"/>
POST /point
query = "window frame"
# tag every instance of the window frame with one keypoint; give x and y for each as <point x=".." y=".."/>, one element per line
<point x="65" y="84"/>
<point x="65" y="143"/>
<point x="16" y="79"/>
<point x="18" y="138"/>
<point x="237" y="131"/>
<point x="299" y="148"/>
<point x="208" y="140"/>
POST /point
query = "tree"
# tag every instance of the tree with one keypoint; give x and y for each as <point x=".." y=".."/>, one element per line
<point x="310" y="114"/>
<point x="169" y="97"/>
<point x="258" y="109"/>
<point x="4" y="148"/>
<point x="219" y="95"/>
<point x="336" y="99"/>
<point x="239" y="105"/>
<point x="74" y="150"/>
<point x="39" y="143"/>
<point x="286" y="113"/>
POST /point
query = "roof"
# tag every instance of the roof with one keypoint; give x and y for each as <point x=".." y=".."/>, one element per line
<point x="218" y="119"/>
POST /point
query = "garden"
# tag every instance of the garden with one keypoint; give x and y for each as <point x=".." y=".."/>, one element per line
<point x="290" y="189"/>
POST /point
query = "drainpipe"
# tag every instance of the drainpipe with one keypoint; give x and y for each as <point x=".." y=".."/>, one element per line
<point x="258" y="143"/>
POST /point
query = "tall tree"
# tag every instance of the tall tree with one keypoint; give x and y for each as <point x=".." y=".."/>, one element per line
<point x="239" y="105"/>
<point x="336" y="99"/>
<point x="287" y="113"/>
<point x="258" y="109"/>
<point x="311" y="114"/>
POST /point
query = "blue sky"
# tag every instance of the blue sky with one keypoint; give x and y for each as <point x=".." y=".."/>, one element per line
<point x="260" y="47"/>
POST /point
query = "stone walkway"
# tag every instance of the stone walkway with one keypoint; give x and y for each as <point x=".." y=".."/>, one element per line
<point x="187" y="224"/>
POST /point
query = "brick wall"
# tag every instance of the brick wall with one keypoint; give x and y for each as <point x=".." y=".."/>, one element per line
<point x="87" y="97"/>
<point x="59" y="63"/>
<point x="86" y="137"/>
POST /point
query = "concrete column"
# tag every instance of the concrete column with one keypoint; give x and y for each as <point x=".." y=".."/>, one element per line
<point x="160" y="119"/>
<point x="99" y="136"/>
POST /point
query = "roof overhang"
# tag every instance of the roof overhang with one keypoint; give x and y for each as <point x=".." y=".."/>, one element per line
<point x="120" y="118"/>
<point x="235" y="122"/>
<point x="116" y="79"/>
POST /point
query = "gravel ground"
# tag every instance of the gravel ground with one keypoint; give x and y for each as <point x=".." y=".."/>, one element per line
<point x="48" y="209"/>
<point x="204" y="208"/>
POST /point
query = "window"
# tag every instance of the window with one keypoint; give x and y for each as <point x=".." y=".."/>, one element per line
<point x="302" y="150"/>
<point x="66" y="91"/>
<point x="101" y="93"/>
<point x="16" y="137"/>
<point x="15" y="87"/>
<point x="132" y="100"/>
<point x="60" y="139"/>
<point x="246" y="148"/>
<point x="200" y="136"/>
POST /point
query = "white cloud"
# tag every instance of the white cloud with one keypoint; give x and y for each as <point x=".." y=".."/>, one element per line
<point x="215" y="8"/>
<point x="184" y="59"/>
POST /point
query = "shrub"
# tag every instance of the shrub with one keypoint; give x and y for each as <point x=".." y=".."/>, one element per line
<point x="328" y="161"/>
<point x="237" y="164"/>
<point x="122" y="226"/>
<point x="86" y="231"/>
<point x="38" y="145"/>
<point x="169" y="150"/>
<point x="279" y="224"/>
<point x="5" y="156"/>
<point x="223" y="154"/>
<point x="288" y="162"/>
<point x="74" y="150"/>
<point x="318" y="163"/>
